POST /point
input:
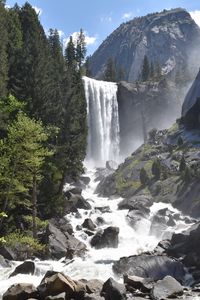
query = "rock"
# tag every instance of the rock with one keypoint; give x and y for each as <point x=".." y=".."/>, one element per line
<point x="107" y="238"/>
<point x="111" y="165"/>
<point x="78" y="227"/>
<point x="135" y="202"/>
<point x="103" y="209"/>
<point x="75" y="201"/>
<point x="159" y="227"/>
<point x="162" y="246"/>
<point x="113" y="290"/>
<point x="63" y="224"/>
<point x="4" y="263"/>
<point x="21" y="291"/>
<point x="7" y="253"/>
<point x="171" y="221"/>
<point x="61" y="296"/>
<point x="85" y="179"/>
<point x="151" y="266"/>
<point x="93" y="297"/>
<point x="100" y="221"/>
<point x="166" y="288"/>
<point x="94" y="286"/>
<point x="88" y="223"/>
<point x="136" y="215"/>
<point x="139" y="283"/>
<point x="28" y="267"/>
<point x="55" y="283"/>
<point x="60" y="243"/>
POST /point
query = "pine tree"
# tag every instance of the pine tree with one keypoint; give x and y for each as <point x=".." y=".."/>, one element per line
<point x="145" y="69"/>
<point x="182" y="165"/>
<point x="152" y="71"/>
<point x="80" y="49"/>
<point x="3" y="50"/>
<point x="110" y="70"/>
<point x="70" y="55"/>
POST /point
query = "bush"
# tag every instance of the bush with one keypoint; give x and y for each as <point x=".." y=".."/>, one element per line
<point x="144" y="178"/>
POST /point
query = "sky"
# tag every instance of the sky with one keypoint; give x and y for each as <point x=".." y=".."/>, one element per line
<point x="98" y="18"/>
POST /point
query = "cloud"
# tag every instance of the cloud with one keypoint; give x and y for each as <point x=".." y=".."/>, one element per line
<point x="38" y="10"/>
<point x="196" y="16"/>
<point x="7" y="6"/>
<point x="89" y="40"/>
<point x="127" y="15"/>
<point x="107" y="19"/>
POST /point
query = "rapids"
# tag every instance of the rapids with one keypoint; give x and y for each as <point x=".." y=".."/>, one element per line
<point x="98" y="263"/>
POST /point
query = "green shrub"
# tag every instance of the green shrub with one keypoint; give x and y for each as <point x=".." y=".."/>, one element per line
<point x="156" y="169"/>
<point x="144" y="178"/>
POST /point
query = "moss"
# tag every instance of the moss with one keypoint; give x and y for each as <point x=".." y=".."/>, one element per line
<point x="133" y="164"/>
<point x="41" y="225"/>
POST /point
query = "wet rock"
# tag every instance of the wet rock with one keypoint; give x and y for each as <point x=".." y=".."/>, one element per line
<point x="166" y="288"/>
<point x="162" y="246"/>
<point x="28" y="267"/>
<point x="111" y="165"/>
<point x="88" y="223"/>
<point x="107" y="238"/>
<point x="61" y="296"/>
<point x="103" y="209"/>
<point x="137" y="215"/>
<point x="78" y="227"/>
<point x="136" y="202"/>
<point x="75" y="201"/>
<point x="139" y="283"/>
<point x="171" y="221"/>
<point x="4" y="263"/>
<point x="113" y="290"/>
<point x="56" y="283"/>
<point x="60" y="243"/>
<point x="63" y="224"/>
<point x="7" y="253"/>
<point x="100" y="221"/>
<point x="151" y="266"/>
<point x="21" y="291"/>
<point x="93" y="297"/>
<point x="89" y="233"/>
<point x="94" y="286"/>
<point x="85" y="179"/>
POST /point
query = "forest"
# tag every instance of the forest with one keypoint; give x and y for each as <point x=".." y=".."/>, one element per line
<point x="43" y="126"/>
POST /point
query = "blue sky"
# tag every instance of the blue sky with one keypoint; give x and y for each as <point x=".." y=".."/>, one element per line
<point x="99" y="18"/>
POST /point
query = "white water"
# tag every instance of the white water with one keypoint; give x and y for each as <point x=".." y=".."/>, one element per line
<point x="98" y="263"/>
<point x="103" y="121"/>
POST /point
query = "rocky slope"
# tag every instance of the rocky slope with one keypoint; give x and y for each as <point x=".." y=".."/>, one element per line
<point x="177" y="152"/>
<point x="170" y="38"/>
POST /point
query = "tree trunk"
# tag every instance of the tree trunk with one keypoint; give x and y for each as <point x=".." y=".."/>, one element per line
<point x="34" y="204"/>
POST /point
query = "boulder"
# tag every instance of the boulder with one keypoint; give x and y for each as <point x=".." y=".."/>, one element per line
<point x="103" y="209"/>
<point x="94" y="286"/>
<point x="27" y="267"/>
<point x="136" y="215"/>
<point x="135" y="202"/>
<point x="55" y="283"/>
<point x="61" y="296"/>
<point x="4" y="263"/>
<point x="166" y="288"/>
<point x="7" y="253"/>
<point x="61" y="243"/>
<point x="138" y="283"/>
<point x="100" y="221"/>
<point x="107" y="238"/>
<point x="151" y="266"/>
<point x="93" y="297"/>
<point x="75" y="201"/>
<point x="21" y="291"/>
<point x="88" y="223"/>
<point x="113" y="290"/>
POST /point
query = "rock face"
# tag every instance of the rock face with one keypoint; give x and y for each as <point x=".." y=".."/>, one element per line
<point x="166" y="38"/>
<point x="145" y="106"/>
<point x="191" y="106"/>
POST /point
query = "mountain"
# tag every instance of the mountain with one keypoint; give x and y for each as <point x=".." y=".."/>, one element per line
<point x="170" y="39"/>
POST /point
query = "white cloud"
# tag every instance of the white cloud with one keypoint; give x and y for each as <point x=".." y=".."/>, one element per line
<point x="127" y="15"/>
<point x="196" y="16"/>
<point x="107" y="19"/>
<point x="7" y="6"/>
<point x="38" y="10"/>
<point x="90" y="40"/>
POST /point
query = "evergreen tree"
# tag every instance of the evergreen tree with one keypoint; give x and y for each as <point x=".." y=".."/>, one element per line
<point x="110" y="71"/>
<point x="3" y="50"/>
<point x="80" y="49"/>
<point x="144" y="178"/>
<point x="156" y="169"/>
<point x="145" y="69"/>
<point x="70" y="55"/>
<point x="152" y="71"/>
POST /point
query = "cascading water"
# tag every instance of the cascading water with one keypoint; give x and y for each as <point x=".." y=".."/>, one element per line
<point x="103" y="121"/>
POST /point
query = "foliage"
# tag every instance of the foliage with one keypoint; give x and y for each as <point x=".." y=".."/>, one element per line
<point x="110" y="70"/>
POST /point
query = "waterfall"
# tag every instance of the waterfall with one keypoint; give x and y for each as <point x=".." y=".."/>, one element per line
<point x="103" y="120"/>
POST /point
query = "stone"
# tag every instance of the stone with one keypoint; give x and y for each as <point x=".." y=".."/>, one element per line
<point x="88" y="223"/>
<point x="61" y="296"/>
<point x="103" y="209"/>
<point x="135" y="202"/>
<point x="107" y="238"/>
<point x="151" y="266"/>
<point x="4" y="263"/>
<point x="166" y="288"/>
<point x="21" y="291"/>
<point x="113" y="290"/>
<point x="27" y="267"/>
<point x="94" y="286"/>
<point x="139" y="283"/>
